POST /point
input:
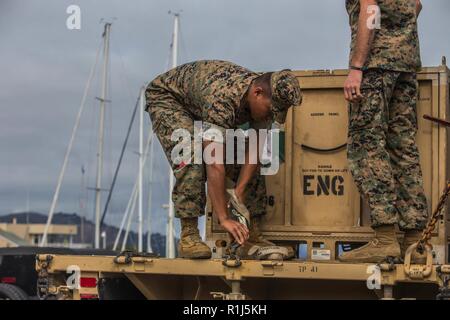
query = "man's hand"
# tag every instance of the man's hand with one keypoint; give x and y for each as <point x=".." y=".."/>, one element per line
<point x="216" y="190"/>
<point x="364" y="39"/>
<point x="239" y="232"/>
<point x="352" y="86"/>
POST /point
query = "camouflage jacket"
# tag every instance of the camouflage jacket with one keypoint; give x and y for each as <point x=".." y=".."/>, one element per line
<point x="396" y="43"/>
<point x="211" y="91"/>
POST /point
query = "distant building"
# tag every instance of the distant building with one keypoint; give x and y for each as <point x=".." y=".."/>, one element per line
<point x="30" y="234"/>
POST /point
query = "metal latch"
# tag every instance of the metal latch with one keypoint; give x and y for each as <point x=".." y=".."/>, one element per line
<point x="139" y="263"/>
<point x="228" y="296"/>
<point x="126" y="257"/>
<point x="44" y="257"/>
<point x="235" y="293"/>
<point x="444" y="269"/>
<point x="122" y="260"/>
<point x="418" y="271"/>
<point x="269" y="267"/>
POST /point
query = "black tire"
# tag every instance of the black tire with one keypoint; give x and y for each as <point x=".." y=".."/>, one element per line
<point x="12" y="292"/>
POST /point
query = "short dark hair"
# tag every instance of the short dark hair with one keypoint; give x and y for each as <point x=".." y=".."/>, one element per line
<point x="264" y="81"/>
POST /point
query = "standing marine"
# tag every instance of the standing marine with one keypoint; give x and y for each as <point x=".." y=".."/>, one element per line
<point x="383" y="157"/>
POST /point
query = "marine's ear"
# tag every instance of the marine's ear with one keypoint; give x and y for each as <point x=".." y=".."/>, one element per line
<point x="259" y="90"/>
<point x="418" y="7"/>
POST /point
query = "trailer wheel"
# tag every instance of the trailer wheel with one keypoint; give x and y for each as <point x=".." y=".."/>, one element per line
<point x="12" y="292"/>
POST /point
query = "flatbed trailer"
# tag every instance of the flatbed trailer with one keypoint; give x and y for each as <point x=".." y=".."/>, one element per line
<point x="137" y="277"/>
<point x="18" y="274"/>
<point x="312" y="205"/>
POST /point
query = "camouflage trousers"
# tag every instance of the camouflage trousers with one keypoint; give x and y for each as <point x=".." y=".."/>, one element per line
<point x="188" y="195"/>
<point x="382" y="151"/>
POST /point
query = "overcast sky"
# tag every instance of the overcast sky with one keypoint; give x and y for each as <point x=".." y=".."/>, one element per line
<point x="44" y="68"/>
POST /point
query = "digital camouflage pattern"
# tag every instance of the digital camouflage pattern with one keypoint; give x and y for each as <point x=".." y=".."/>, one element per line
<point x="396" y="43"/>
<point x="189" y="190"/>
<point x="285" y="93"/>
<point x="208" y="91"/>
<point x="382" y="151"/>
<point x="189" y="195"/>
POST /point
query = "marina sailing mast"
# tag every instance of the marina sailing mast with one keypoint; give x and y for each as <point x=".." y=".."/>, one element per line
<point x="103" y="101"/>
<point x="101" y="132"/>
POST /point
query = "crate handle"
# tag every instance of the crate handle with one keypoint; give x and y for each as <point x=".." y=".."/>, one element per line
<point x="309" y="148"/>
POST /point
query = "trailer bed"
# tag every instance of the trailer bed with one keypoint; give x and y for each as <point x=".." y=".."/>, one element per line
<point x="160" y="278"/>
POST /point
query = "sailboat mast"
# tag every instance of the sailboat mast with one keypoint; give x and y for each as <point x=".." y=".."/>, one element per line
<point x="175" y="40"/>
<point x="141" y="168"/>
<point x="101" y="135"/>
<point x="68" y="151"/>
<point x="150" y="192"/>
<point x="170" y="251"/>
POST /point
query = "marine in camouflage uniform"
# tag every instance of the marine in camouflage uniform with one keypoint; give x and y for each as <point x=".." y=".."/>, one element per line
<point x="382" y="151"/>
<point x="207" y="91"/>
<point x="212" y="92"/>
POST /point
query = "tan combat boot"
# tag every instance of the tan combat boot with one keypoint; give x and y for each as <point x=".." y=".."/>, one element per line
<point x="385" y="244"/>
<point x="256" y="238"/>
<point x="411" y="237"/>
<point x="191" y="245"/>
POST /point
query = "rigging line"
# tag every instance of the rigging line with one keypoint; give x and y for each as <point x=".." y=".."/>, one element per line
<point x="150" y="195"/>
<point x="149" y="141"/>
<point x="82" y="203"/>
<point x="169" y="56"/>
<point x="130" y="217"/>
<point x="120" y="162"/>
<point x="86" y="160"/>
<point x="124" y="218"/>
<point x="109" y="142"/>
<point x="68" y="151"/>
<point x="125" y="75"/>
<point x="90" y="157"/>
<point x="125" y="81"/>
